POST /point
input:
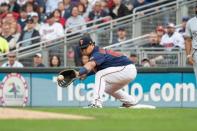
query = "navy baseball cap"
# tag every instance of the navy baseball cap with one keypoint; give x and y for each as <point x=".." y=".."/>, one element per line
<point x="185" y="18"/>
<point x="85" y="41"/>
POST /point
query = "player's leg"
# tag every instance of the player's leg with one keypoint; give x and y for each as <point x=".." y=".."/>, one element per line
<point x="116" y="91"/>
<point x="119" y="76"/>
<point x="195" y="64"/>
<point x="100" y="81"/>
<point x="116" y="81"/>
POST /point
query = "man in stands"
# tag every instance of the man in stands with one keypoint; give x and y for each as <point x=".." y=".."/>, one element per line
<point x="153" y="41"/>
<point x="118" y="10"/>
<point x="51" y="30"/>
<point x="29" y="33"/>
<point x="97" y="12"/>
<point x="37" y="60"/>
<point x="121" y="36"/>
<point x="172" y="39"/>
<point x="12" y="62"/>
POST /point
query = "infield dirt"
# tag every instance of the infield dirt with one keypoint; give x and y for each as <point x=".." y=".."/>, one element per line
<point x="12" y="113"/>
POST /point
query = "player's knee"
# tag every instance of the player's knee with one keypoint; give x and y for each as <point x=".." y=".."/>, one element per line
<point x="108" y="91"/>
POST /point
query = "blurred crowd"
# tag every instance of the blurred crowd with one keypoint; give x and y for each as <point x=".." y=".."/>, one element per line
<point x="48" y="19"/>
<point x="45" y="20"/>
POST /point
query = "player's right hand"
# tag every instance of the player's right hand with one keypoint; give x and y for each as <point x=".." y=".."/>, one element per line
<point x="191" y="61"/>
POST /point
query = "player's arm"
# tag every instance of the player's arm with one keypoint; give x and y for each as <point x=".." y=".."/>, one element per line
<point x="86" y="68"/>
<point x="188" y="49"/>
<point x="188" y="43"/>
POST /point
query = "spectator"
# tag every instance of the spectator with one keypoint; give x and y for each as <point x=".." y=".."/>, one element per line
<point x="29" y="33"/>
<point x="58" y="18"/>
<point x="88" y="7"/>
<point x="133" y="57"/>
<point x="4" y="46"/>
<point x="104" y="6"/>
<point x="14" y="7"/>
<point x="4" y="9"/>
<point x="82" y="11"/>
<point x="68" y="9"/>
<point x="51" y="5"/>
<point x="160" y="32"/>
<point x="183" y="25"/>
<point x="12" y="62"/>
<point x="23" y="18"/>
<point x="172" y="39"/>
<point x="8" y="27"/>
<point x="75" y="22"/>
<point x="55" y="61"/>
<point x="129" y="5"/>
<point x="35" y="18"/>
<point x="118" y="10"/>
<point x="29" y="8"/>
<point x="97" y="12"/>
<point x="122" y="36"/>
<point x="61" y="7"/>
<point x="37" y="60"/>
<point x="153" y="41"/>
<point x="51" y="30"/>
<point x="146" y="62"/>
<point x="41" y="14"/>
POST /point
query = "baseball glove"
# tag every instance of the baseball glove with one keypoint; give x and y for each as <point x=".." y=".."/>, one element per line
<point x="69" y="77"/>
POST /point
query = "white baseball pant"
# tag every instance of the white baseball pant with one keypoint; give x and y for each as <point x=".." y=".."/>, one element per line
<point x="111" y="80"/>
<point x="195" y="64"/>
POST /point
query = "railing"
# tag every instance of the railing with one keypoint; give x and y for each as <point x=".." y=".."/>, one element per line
<point x="102" y="28"/>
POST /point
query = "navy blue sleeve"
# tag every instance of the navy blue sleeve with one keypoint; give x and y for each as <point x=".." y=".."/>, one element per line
<point x="90" y="73"/>
<point x="98" y="58"/>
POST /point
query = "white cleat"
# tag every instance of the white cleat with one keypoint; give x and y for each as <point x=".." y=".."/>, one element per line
<point x="137" y="106"/>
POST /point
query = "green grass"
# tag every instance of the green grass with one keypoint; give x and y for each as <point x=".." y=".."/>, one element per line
<point x="111" y="119"/>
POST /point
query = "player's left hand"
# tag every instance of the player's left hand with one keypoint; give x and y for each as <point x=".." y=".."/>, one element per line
<point x="77" y="74"/>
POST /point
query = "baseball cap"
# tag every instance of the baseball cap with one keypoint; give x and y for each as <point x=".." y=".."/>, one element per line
<point x="121" y="29"/>
<point x="171" y="25"/>
<point x="185" y="18"/>
<point x="85" y="41"/>
<point x="145" y="59"/>
<point x="38" y="55"/>
<point x="34" y="14"/>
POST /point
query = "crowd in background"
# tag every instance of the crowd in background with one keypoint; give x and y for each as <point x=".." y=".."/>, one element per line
<point x="21" y="20"/>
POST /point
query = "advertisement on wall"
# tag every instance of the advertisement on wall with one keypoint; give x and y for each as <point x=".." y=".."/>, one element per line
<point x="157" y="89"/>
<point x="14" y="90"/>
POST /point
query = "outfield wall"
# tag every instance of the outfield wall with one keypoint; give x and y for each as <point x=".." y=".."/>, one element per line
<point x="161" y="87"/>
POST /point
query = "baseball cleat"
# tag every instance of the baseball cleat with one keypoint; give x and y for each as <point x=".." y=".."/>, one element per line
<point x="137" y="106"/>
<point x="93" y="106"/>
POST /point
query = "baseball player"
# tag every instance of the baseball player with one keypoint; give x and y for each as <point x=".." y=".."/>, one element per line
<point x="113" y="72"/>
<point x="191" y="41"/>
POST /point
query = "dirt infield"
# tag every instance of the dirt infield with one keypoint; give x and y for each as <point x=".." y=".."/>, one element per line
<point x="11" y="113"/>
